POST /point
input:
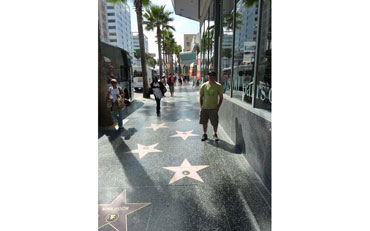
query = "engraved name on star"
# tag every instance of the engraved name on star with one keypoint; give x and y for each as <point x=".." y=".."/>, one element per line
<point x="115" y="214"/>
<point x="142" y="150"/>
<point x="184" y="135"/>
<point x="155" y="127"/>
<point x="186" y="170"/>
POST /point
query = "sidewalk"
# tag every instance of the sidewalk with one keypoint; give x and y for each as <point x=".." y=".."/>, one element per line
<point x="161" y="178"/>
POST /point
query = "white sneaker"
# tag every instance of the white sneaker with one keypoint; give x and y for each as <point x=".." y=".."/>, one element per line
<point x="215" y="138"/>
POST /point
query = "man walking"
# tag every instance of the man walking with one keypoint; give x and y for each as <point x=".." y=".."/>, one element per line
<point x="211" y="97"/>
<point x="158" y="90"/>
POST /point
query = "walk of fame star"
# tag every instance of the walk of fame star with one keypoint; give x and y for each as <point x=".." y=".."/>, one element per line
<point x="186" y="170"/>
<point x="184" y="135"/>
<point x="157" y="126"/>
<point x="143" y="150"/>
<point x="115" y="214"/>
<point x="184" y="119"/>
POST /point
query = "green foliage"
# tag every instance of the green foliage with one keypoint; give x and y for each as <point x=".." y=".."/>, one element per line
<point x="226" y="52"/>
<point x="155" y="17"/>
<point x="137" y="54"/>
<point x="151" y="61"/>
<point x="144" y="3"/>
<point x="249" y="3"/>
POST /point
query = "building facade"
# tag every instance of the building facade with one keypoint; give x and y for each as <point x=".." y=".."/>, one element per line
<point x="136" y="46"/>
<point x="188" y="38"/>
<point x="103" y="23"/>
<point x="236" y="43"/>
<point x="119" y="25"/>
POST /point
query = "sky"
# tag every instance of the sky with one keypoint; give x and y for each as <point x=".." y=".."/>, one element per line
<point x="181" y="24"/>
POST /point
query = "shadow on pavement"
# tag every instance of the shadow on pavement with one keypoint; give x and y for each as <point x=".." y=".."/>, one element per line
<point x="135" y="105"/>
<point x="225" y="146"/>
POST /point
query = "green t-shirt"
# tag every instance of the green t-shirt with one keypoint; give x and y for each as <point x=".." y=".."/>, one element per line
<point x="210" y="94"/>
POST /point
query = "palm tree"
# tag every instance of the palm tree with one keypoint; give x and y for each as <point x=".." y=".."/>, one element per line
<point x="177" y="52"/>
<point x="151" y="61"/>
<point x="169" y="41"/>
<point x="139" y="15"/>
<point x="164" y="34"/>
<point x="157" y="18"/>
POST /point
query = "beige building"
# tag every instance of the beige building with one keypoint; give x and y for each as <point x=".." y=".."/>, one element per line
<point x="188" y="38"/>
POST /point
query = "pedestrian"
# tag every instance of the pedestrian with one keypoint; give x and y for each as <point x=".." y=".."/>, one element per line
<point x="171" y="82"/>
<point x="116" y="95"/>
<point x="158" y="90"/>
<point x="211" y="97"/>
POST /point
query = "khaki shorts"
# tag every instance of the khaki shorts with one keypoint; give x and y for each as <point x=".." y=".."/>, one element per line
<point x="211" y="114"/>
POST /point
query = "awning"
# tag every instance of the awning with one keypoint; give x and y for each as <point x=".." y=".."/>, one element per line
<point x="192" y="9"/>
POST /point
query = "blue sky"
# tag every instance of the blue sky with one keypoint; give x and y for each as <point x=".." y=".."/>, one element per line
<point x="181" y="24"/>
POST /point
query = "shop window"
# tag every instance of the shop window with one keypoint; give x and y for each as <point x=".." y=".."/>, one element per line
<point x="263" y="79"/>
<point x="227" y="45"/>
<point x="244" y="57"/>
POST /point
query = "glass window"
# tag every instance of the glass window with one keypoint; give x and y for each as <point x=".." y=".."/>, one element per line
<point x="113" y="40"/>
<point x="110" y="7"/>
<point x="207" y="44"/>
<point x="203" y="51"/>
<point x="244" y="54"/>
<point x="263" y="89"/>
<point x="111" y="20"/>
<point x="112" y="34"/>
<point x="110" y="14"/>
<point x="111" y="27"/>
<point x="227" y="45"/>
<point x="211" y="38"/>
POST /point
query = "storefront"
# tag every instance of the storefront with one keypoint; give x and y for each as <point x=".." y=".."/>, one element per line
<point x="236" y="43"/>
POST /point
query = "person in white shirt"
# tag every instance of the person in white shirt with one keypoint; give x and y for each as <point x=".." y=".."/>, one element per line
<point x="113" y="92"/>
<point x="158" y="90"/>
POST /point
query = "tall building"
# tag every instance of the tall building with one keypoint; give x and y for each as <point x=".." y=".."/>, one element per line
<point x="136" y="46"/>
<point x="103" y="23"/>
<point x="188" y="38"/>
<point x="119" y="25"/>
<point x="248" y="29"/>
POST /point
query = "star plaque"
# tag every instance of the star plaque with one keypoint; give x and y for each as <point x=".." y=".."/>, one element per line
<point x="184" y="135"/>
<point x="186" y="170"/>
<point x="184" y="119"/>
<point x="115" y="214"/>
<point x="142" y="150"/>
<point x="155" y="127"/>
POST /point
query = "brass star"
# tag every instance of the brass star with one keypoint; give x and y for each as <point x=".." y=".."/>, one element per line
<point x="184" y="135"/>
<point x="115" y="214"/>
<point x="155" y="127"/>
<point x="142" y="150"/>
<point x="186" y="170"/>
<point x="184" y="119"/>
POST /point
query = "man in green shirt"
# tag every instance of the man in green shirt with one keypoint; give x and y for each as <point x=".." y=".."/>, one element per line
<point x="211" y="96"/>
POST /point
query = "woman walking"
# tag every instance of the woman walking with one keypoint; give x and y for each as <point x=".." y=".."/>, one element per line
<point x="116" y="96"/>
<point x="158" y="90"/>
